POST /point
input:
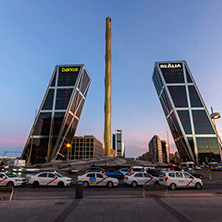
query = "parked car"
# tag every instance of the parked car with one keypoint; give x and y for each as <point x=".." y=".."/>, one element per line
<point x="148" y="168"/>
<point x="50" y="179"/>
<point x="75" y="170"/>
<point x="155" y="172"/>
<point x="140" y="178"/>
<point x="187" y="164"/>
<point x="198" y="168"/>
<point x="215" y="166"/>
<point x="2" y="169"/>
<point x="193" y="172"/>
<point x="135" y="169"/>
<point x="179" y="179"/>
<point x="10" y="179"/>
<point x="94" y="169"/>
<point x="97" y="179"/>
<point x="17" y="169"/>
<point x="125" y="170"/>
<point x="114" y="173"/>
<point x="30" y="169"/>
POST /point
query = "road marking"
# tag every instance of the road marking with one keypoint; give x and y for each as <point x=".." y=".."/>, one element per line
<point x="172" y="211"/>
<point x="62" y="217"/>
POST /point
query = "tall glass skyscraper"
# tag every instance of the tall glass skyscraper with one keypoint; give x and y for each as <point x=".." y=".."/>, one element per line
<point x="187" y="116"/>
<point x="119" y="143"/>
<point x="58" y="116"/>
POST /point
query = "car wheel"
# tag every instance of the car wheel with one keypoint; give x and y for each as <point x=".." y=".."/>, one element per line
<point x="110" y="184"/>
<point x="156" y="182"/>
<point x="85" y="184"/>
<point x="198" y="186"/>
<point x="60" y="184"/>
<point x="173" y="186"/>
<point x="134" y="184"/>
<point x="10" y="184"/>
<point x="35" y="184"/>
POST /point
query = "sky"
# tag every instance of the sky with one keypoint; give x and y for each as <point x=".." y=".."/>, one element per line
<point x="37" y="35"/>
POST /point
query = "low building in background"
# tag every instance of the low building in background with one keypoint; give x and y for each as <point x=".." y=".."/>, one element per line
<point x="177" y="157"/>
<point x="86" y="147"/>
<point x="119" y="143"/>
<point x="165" y="151"/>
<point x="113" y="153"/>
<point x="158" y="150"/>
<point x="145" y="156"/>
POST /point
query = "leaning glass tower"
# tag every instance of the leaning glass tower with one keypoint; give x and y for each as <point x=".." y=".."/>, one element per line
<point x="58" y="116"/>
<point x="187" y="116"/>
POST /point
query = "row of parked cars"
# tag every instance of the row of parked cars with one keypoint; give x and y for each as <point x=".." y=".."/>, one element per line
<point x="95" y="176"/>
<point x="136" y="176"/>
<point x="19" y="169"/>
<point x="40" y="179"/>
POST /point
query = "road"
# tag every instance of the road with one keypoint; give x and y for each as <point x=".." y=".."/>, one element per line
<point x="211" y="187"/>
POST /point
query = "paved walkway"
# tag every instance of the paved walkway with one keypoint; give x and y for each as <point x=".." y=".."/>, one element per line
<point x="110" y="208"/>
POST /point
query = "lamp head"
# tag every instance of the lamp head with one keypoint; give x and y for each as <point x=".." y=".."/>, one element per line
<point x="68" y="145"/>
<point x="215" y="115"/>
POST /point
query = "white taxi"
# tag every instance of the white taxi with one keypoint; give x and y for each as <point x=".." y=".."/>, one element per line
<point x="140" y="178"/>
<point x="10" y="179"/>
<point x="50" y="179"/>
<point x="97" y="179"/>
<point x="179" y="179"/>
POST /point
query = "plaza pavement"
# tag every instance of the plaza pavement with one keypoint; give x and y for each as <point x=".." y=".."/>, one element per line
<point x="111" y="208"/>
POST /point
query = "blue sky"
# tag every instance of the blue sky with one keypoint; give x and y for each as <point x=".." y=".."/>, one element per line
<point x="37" y="35"/>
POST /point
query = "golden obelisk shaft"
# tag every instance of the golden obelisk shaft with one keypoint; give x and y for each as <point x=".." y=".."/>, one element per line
<point x="107" y="128"/>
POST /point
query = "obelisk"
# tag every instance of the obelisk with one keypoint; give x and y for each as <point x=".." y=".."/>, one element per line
<point x="107" y="128"/>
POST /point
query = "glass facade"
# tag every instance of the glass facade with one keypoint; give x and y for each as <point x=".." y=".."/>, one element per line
<point x="187" y="116"/>
<point x="58" y="116"/>
<point x="118" y="143"/>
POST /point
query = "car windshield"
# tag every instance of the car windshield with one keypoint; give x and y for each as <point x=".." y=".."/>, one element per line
<point x="10" y="175"/>
<point x="137" y="170"/>
<point x="58" y="175"/>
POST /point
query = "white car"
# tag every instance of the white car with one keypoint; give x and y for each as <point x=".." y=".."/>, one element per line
<point x="50" y="179"/>
<point x="17" y="169"/>
<point x="10" y="179"/>
<point x="140" y="178"/>
<point x="135" y="169"/>
<point x="179" y="179"/>
<point x="30" y="169"/>
<point x="97" y="179"/>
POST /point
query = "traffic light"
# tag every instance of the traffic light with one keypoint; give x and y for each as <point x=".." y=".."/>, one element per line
<point x="5" y="152"/>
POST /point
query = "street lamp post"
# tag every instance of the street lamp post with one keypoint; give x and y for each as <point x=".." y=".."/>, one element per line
<point x="214" y="116"/>
<point x="168" y="145"/>
<point x="68" y="146"/>
<point x="30" y="151"/>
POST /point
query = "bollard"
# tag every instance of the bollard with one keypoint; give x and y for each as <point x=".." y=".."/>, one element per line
<point x="79" y="189"/>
